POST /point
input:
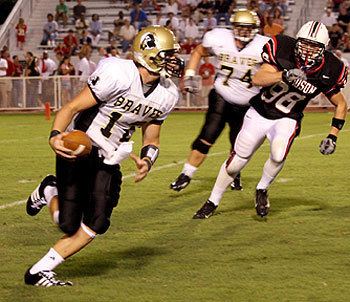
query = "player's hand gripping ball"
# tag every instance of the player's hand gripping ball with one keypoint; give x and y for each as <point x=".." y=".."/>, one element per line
<point x="79" y="142"/>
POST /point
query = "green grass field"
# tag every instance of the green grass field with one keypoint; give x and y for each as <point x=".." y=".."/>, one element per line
<point x="154" y="251"/>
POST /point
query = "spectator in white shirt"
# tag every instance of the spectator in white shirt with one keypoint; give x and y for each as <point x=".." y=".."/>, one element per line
<point x="328" y="18"/>
<point x="83" y="69"/>
<point x="47" y="67"/>
<point x="127" y="32"/>
<point x="210" y="22"/>
<point x="50" y="31"/>
<point x="174" y="22"/>
<point x="4" y="101"/>
<point x="191" y="30"/>
<point x="171" y="6"/>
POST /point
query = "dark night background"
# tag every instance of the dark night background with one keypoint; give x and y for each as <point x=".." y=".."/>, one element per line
<point x="5" y="9"/>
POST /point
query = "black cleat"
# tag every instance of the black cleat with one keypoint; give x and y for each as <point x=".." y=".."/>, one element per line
<point x="36" y="200"/>
<point x="262" y="204"/>
<point x="205" y="211"/>
<point x="236" y="184"/>
<point x="44" y="278"/>
<point x="180" y="183"/>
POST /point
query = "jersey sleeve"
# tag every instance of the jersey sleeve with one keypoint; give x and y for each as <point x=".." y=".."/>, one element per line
<point x="209" y="39"/>
<point x="339" y="84"/>
<point x="109" y="81"/>
<point x="269" y="53"/>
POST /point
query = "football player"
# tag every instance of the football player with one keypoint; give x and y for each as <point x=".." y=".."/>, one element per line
<point x="294" y="72"/>
<point x="120" y="95"/>
<point x="237" y="55"/>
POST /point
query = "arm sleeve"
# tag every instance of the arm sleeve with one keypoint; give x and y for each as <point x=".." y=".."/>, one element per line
<point x="269" y="52"/>
<point x="339" y="84"/>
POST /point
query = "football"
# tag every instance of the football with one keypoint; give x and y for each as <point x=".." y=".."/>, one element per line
<point x="79" y="142"/>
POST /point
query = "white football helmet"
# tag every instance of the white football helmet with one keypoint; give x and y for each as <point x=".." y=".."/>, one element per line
<point x="312" y="40"/>
<point x="246" y="25"/>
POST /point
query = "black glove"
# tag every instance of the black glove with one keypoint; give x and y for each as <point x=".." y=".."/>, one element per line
<point x="327" y="146"/>
<point x="293" y="74"/>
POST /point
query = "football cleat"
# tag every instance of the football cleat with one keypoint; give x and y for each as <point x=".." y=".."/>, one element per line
<point x="205" y="211"/>
<point x="44" y="278"/>
<point x="180" y="183"/>
<point x="236" y="184"/>
<point x="36" y="200"/>
<point x="262" y="204"/>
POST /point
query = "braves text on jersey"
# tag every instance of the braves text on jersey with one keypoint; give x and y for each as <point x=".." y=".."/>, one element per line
<point x="122" y="105"/>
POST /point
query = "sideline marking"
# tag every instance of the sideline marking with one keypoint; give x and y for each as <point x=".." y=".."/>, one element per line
<point x="180" y="162"/>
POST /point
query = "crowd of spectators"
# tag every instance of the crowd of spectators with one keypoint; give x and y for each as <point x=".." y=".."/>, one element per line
<point x="188" y="19"/>
<point x="71" y="33"/>
<point x="337" y="20"/>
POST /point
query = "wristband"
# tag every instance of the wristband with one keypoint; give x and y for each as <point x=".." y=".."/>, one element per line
<point x="149" y="153"/>
<point x="190" y="73"/>
<point x="54" y="133"/>
<point x="337" y="123"/>
<point x="332" y="137"/>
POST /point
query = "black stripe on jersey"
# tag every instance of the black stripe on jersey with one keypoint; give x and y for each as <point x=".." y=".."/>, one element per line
<point x="154" y="85"/>
<point x="85" y="118"/>
<point x="94" y="94"/>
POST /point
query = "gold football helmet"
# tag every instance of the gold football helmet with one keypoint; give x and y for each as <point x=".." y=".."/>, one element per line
<point x="246" y="25"/>
<point x="155" y="48"/>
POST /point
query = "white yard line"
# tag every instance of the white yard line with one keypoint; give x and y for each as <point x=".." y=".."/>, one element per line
<point x="20" y="202"/>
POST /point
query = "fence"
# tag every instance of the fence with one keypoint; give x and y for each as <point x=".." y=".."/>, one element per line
<point x="30" y="93"/>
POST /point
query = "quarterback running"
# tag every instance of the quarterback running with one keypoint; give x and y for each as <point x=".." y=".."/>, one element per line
<point x="237" y="58"/>
<point x="120" y="96"/>
<point x="294" y="72"/>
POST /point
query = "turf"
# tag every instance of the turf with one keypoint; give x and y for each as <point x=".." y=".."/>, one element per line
<point x="154" y="251"/>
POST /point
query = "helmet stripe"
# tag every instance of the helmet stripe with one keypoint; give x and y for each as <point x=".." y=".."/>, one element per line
<point x="314" y="29"/>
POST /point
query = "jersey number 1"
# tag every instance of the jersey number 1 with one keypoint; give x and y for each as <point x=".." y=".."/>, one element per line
<point x="106" y="131"/>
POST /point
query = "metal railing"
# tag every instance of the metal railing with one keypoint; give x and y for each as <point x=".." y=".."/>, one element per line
<point x="304" y="15"/>
<point x="22" y="9"/>
<point x="31" y="93"/>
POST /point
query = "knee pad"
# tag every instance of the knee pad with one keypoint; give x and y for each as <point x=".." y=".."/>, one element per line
<point x="99" y="224"/>
<point x="235" y="164"/>
<point x="279" y="151"/>
<point x="200" y="146"/>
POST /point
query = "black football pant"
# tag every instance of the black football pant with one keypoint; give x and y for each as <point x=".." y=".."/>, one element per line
<point x="88" y="190"/>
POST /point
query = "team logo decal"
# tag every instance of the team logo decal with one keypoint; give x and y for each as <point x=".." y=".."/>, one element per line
<point x="148" y="42"/>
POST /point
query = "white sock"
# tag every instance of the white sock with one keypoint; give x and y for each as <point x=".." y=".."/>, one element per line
<point x="49" y="193"/>
<point x="270" y="172"/>
<point x="48" y="262"/>
<point x="223" y="180"/>
<point x="189" y="170"/>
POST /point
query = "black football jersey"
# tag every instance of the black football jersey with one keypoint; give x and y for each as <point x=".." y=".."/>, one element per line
<point x="290" y="99"/>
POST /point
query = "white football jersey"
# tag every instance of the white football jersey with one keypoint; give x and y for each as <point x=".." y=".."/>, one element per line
<point x="122" y="105"/>
<point x="234" y="68"/>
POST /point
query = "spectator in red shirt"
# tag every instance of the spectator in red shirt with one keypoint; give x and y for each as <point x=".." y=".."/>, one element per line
<point x="18" y="67"/>
<point x="188" y="45"/>
<point x="62" y="49"/>
<point x="71" y="43"/>
<point x="21" y="30"/>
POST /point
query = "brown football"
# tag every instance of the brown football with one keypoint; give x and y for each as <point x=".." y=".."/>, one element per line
<point x="79" y="142"/>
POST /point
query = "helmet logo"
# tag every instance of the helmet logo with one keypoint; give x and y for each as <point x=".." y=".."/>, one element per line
<point x="148" y="42"/>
